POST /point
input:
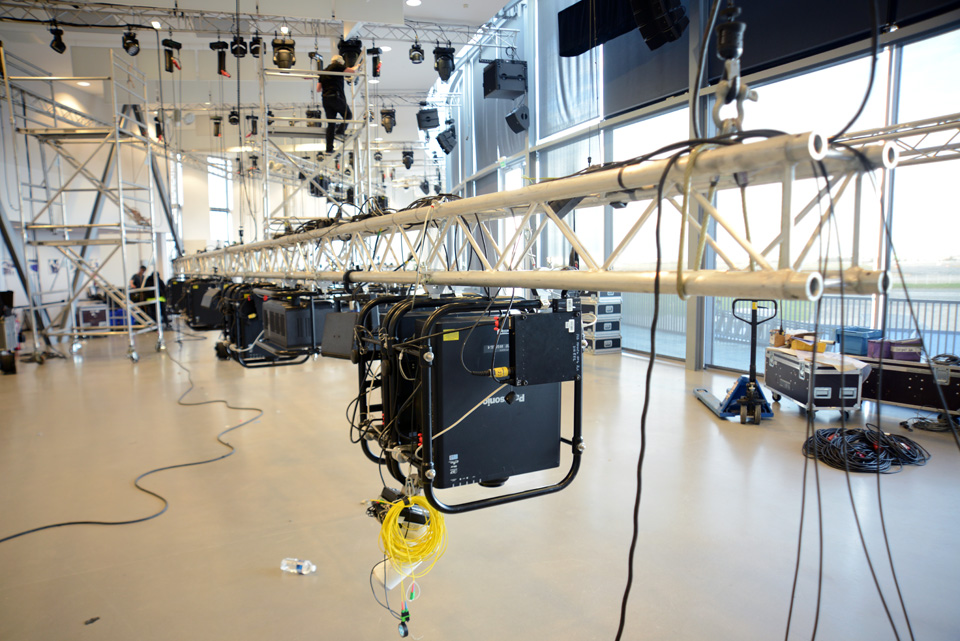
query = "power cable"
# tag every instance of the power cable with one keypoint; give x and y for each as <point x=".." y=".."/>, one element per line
<point x="136" y="481"/>
<point x="875" y="42"/>
<point x="646" y="399"/>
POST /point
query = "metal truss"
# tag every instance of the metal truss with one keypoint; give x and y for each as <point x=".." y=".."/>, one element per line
<point x="493" y="240"/>
<point x="105" y="15"/>
<point x="920" y="142"/>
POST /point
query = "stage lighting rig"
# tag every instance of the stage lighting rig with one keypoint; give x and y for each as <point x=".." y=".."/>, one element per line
<point x="425" y="187"/>
<point x="221" y="48"/>
<point x="253" y="120"/>
<point x="407" y="159"/>
<point x="283" y="53"/>
<point x="377" y="156"/>
<point x="388" y="118"/>
<point x="256" y="46"/>
<point x="130" y="43"/>
<point x="416" y="53"/>
<point x="238" y="47"/>
<point x="169" y="59"/>
<point x="217" y="126"/>
<point x="233" y="117"/>
<point x="373" y="54"/>
<point x="443" y="61"/>
<point x="350" y="50"/>
<point x="57" y="44"/>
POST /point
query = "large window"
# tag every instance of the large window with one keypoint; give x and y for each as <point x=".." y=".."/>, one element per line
<point x="798" y="104"/>
<point x="628" y="142"/>
<point x="925" y="206"/>
<point x="220" y="191"/>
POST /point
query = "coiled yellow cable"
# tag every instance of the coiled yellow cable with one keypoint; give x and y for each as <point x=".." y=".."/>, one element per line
<point x="425" y="548"/>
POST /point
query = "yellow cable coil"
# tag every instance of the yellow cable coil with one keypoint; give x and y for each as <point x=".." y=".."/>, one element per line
<point x="405" y="552"/>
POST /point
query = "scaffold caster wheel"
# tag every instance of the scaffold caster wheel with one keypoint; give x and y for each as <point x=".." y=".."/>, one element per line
<point x="134" y="356"/>
<point x="161" y="346"/>
<point x="76" y="346"/>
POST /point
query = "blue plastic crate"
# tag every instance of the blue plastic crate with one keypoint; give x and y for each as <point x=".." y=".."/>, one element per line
<point x="855" y="339"/>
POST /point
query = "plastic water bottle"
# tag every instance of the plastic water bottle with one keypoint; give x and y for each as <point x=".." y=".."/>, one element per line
<point x="297" y="566"/>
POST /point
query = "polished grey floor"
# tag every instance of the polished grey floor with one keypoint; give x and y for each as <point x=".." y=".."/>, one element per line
<point x="718" y="522"/>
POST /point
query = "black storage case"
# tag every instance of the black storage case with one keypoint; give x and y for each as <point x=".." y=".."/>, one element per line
<point x="787" y="375"/>
<point x="910" y="384"/>
<point x="515" y="431"/>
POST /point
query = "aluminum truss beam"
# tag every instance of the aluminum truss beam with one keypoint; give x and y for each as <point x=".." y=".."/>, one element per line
<point x="105" y="15"/>
<point x="464" y="243"/>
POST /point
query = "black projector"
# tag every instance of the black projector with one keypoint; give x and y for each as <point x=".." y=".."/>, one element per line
<point x="515" y="431"/>
<point x="295" y="323"/>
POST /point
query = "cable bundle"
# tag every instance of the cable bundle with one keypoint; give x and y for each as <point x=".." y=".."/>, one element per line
<point x="405" y="552"/>
<point x="864" y="450"/>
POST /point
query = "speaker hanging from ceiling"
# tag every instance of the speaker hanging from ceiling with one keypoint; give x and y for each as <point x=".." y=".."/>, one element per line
<point x="588" y="23"/>
<point x="519" y="119"/>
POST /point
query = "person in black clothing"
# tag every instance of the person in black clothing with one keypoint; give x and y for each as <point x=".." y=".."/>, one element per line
<point x="136" y="281"/>
<point x="334" y="99"/>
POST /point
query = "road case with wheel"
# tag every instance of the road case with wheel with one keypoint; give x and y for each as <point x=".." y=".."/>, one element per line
<point x="788" y="374"/>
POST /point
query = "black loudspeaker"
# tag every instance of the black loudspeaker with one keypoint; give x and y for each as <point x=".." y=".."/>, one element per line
<point x="660" y="21"/>
<point x="519" y="119"/>
<point x="427" y="119"/>
<point x="505" y="79"/>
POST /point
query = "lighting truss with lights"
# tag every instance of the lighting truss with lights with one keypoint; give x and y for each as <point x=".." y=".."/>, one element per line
<point x="514" y="225"/>
<point x="211" y="23"/>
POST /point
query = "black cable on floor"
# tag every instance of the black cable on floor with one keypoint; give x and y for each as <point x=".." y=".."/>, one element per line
<point x="136" y="481"/>
<point x="864" y="450"/>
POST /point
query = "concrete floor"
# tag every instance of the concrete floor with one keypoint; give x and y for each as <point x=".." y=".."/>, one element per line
<point x="718" y="522"/>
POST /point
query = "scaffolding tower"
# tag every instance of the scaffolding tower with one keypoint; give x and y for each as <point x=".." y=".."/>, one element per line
<point x="60" y="147"/>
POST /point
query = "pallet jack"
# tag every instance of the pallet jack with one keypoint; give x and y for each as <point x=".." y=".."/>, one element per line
<point x="745" y="399"/>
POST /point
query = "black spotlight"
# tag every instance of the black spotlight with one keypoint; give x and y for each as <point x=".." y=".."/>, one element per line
<point x="256" y="46"/>
<point x="377" y="156"/>
<point x="425" y="186"/>
<point x="374" y="56"/>
<point x="233" y="117"/>
<point x="57" y="44"/>
<point x="416" y="53"/>
<point x="388" y="118"/>
<point x="158" y="127"/>
<point x="253" y="162"/>
<point x="217" y="126"/>
<point x="317" y="59"/>
<point x="447" y="138"/>
<point x="238" y="47"/>
<point x="130" y="43"/>
<point x="283" y="55"/>
<point x="253" y="120"/>
<point x="443" y="61"/>
<point x="350" y="50"/>
<point x="221" y="48"/>
<point x="408" y="159"/>
<point x="169" y="60"/>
